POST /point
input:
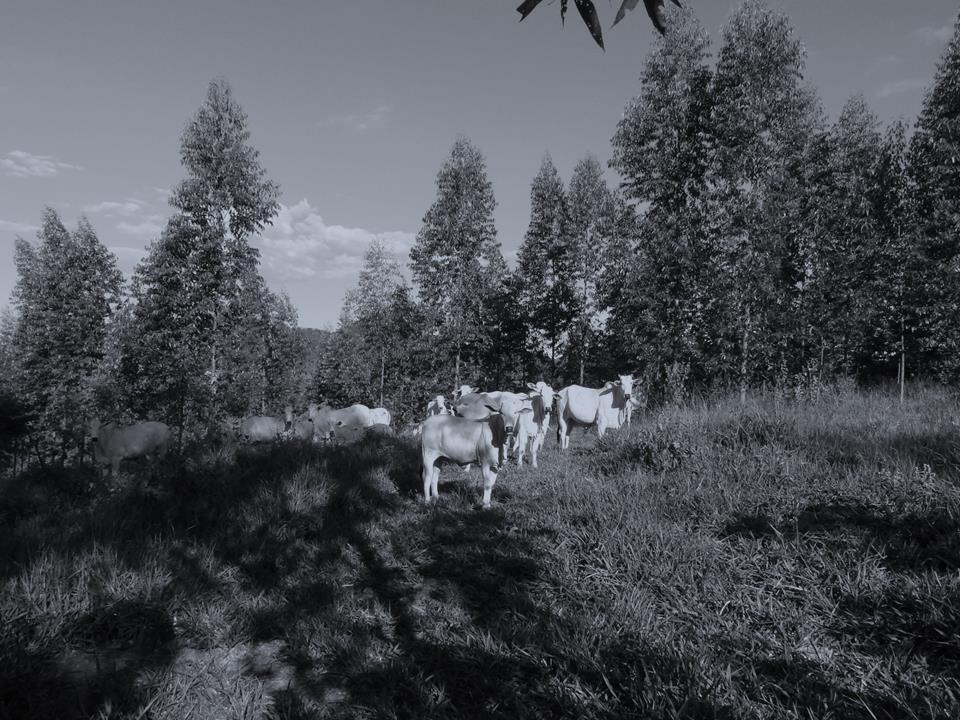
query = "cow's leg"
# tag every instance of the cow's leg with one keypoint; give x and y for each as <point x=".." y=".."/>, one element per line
<point x="489" y="478"/>
<point x="427" y="475"/>
<point x="562" y="432"/>
<point x="535" y="448"/>
<point x="434" y="490"/>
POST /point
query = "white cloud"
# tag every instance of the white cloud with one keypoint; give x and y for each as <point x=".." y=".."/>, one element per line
<point x="135" y="216"/>
<point x="300" y="245"/>
<point x="901" y="86"/>
<point x="15" y="227"/>
<point x="360" y="121"/>
<point x="149" y="227"/>
<point x="125" y="208"/>
<point x="18" y="163"/>
<point x="931" y="35"/>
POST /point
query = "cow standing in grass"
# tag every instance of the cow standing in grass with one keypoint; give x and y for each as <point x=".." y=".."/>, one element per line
<point x="532" y="427"/>
<point x="266" y="428"/>
<point x="111" y="443"/>
<point x="465" y="441"/>
<point x="605" y="407"/>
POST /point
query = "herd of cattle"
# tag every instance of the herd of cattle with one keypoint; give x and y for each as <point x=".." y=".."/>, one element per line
<point x="476" y="427"/>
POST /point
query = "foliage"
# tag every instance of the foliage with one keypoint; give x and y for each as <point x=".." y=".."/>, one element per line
<point x="763" y="116"/>
<point x="206" y="336"/>
<point x="456" y="260"/>
<point x="66" y="290"/>
<point x="935" y="196"/>
<point x="662" y="149"/>
<point x="545" y="294"/>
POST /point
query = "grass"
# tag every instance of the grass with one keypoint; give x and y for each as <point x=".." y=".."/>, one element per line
<point x="774" y="561"/>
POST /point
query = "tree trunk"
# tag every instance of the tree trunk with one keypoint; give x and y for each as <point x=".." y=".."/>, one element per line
<point x="456" y="376"/>
<point x="553" y="357"/>
<point x="744" y="350"/>
<point x="180" y="410"/>
<point x="582" y="352"/>
<point x="903" y="361"/>
<point x="382" y="364"/>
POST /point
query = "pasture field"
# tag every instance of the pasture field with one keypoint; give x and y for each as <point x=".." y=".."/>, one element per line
<point x="782" y="560"/>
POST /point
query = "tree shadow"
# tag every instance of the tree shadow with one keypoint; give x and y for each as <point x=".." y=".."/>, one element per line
<point x="909" y="542"/>
<point x="801" y="684"/>
<point x="94" y="662"/>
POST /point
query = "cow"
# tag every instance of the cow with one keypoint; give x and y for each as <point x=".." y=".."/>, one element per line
<point x="476" y="405"/>
<point x="265" y="428"/>
<point x="346" y="423"/>
<point x="532" y="428"/>
<point x="380" y="416"/>
<point x="112" y="443"/>
<point x="462" y="391"/>
<point x="465" y="441"/>
<point x="304" y="428"/>
<point x="602" y="407"/>
<point x="438" y="406"/>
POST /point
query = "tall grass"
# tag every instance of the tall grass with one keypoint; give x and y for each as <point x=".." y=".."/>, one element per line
<point x="771" y="561"/>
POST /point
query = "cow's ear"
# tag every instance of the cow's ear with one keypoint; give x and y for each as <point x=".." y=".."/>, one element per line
<point x="491" y="408"/>
<point x="532" y="386"/>
<point x="525" y="410"/>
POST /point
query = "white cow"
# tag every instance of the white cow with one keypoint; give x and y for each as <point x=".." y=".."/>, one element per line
<point x="380" y="416"/>
<point x="438" y="406"/>
<point x="112" y="443"/>
<point x="532" y="428"/>
<point x="304" y="428"/>
<point x="465" y="441"/>
<point x="476" y="405"/>
<point x="347" y="423"/>
<point x="583" y="406"/>
<point x="265" y="428"/>
<point x="464" y="390"/>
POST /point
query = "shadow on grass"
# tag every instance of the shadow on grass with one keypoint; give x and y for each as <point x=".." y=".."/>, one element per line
<point x="909" y="543"/>
<point x="800" y="684"/>
<point x="911" y="626"/>
<point x="94" y="662"/>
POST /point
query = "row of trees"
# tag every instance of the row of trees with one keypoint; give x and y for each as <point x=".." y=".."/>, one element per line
<point x="194" y="336"/>
<point x="749" y="242"/>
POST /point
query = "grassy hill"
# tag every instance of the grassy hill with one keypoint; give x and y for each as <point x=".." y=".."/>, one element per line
<point x="775" y="561"/>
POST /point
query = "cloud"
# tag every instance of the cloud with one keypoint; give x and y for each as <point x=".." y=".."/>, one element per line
<point x="18" y="163"/>
<point x="149" y="227"/>
<point x="301" y="245"/>
<point x="934" y="35"/>
<point x="135" y="216"/>
<point x="360" y="121"/>
<point x="15" y="227"/>
<point x="112" y="208"/>
<point x="901" y="86"/>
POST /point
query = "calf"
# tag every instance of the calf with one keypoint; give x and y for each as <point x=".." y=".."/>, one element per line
<point x="112" y="443"/>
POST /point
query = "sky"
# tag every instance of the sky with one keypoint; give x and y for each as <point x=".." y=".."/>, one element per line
<point x="354" y="106"/>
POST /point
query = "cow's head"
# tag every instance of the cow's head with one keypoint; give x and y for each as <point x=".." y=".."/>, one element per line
<point x="441" y="403"/>
<point x="511" y="407"/>
<point x="544" y="392"/>
<point x="312" y="412"/>
<point x="464" y="390"/>
<point x="287" y="417"/>
<point x="625" y="383"/>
